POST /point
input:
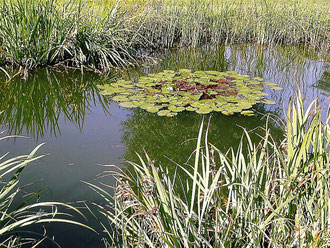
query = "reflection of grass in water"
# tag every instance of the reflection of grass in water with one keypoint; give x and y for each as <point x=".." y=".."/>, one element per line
<point x="36" y="105"/>
<point x="174" y="137"/>
<point x="324" y="83"/>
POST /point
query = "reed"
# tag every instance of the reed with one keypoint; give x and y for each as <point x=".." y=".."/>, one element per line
<point x="275" y="195"/>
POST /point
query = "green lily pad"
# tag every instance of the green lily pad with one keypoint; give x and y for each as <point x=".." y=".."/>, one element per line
<point x="267" y="101"/>
<point x="120" y="98"/>
<point x="146" y="105"/>
<point x="258" y="79"/>
<point x="191" y="109"/>
<point x="127" y="104"/>
<point x="247" y="113"/>
<point x="276" y="88"/>
<point x="169" y="92"/>
<point x="176" y="109"/>
<point x="153" y="109"/>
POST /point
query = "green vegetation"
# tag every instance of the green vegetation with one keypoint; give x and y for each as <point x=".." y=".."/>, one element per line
<point x="37" y="33"/>
<point x="15" y="215"/>
<point x="37" y="105"/>
<point x="276" y="195"/>
<point x="170" y="92"/>
<point x="99" y="36"/>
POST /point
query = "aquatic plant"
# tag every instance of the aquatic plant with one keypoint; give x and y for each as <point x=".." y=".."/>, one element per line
<point x="276" y="195"/>
<point x="15" y="215"/>
<point x="170" y="92"/>
<point x="38" y="33"/>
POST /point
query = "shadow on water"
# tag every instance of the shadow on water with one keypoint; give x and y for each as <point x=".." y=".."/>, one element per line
<point x="82" y="128"/>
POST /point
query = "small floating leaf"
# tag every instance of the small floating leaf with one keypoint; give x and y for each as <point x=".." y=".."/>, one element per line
<point x="163" y="112"/>
<point x="258" y="79"/>
<point x="153" y="109"/>
<point x="146" y="105"/>
<point x="204" y="110"/>
<point x="191" y="109"/>
<point x="176" y="109"/>
<point x="267" y="101"/>
<point x="120" y="98"/>
<point x="184" y="70"/>
<point x="127" y="104"/>
<point x="247" y="113"/>
<point x="276" y="88"/>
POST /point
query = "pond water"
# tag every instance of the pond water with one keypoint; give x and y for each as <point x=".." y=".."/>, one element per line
<point x="82" y="129"/>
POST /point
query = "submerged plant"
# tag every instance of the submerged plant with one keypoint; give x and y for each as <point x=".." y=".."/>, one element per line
<point x="276" y="195"/>
<point x="170" y="92"/>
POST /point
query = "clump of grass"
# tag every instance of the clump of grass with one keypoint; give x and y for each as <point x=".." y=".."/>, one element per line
<point x="265" y="22"/>
<point x="275" y="195"/>
<point x="14" y="217"/>
<point x="37" y="33"/>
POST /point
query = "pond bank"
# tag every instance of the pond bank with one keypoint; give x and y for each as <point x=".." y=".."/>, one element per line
<point x="100" y="36"/>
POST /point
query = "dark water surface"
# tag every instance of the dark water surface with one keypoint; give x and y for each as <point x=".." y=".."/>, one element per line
<point x="82" y="129"/>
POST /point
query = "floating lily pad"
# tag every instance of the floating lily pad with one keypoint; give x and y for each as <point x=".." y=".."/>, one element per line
<point x="127" y="104"/>
<point x="247" y="113"/>
<point x="176" y="109"/>
<point x="170" y="92"/>
<point x="276" y="88"/>
<point x="267" y="101"/>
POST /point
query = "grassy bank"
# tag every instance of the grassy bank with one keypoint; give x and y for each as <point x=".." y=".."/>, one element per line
<point x="99" y="35"/>
<point x="276" y="195"/>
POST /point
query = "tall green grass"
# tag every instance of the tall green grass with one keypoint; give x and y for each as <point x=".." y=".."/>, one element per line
<point x="275" y="195"/>
<point x="18" y="214"/>
<point x="42" y="32"/>
<point x="100" y="35"/>
<point x="264" y="22"/>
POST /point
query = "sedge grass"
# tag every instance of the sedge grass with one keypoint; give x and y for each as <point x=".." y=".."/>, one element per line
<point x="276" y="195"/>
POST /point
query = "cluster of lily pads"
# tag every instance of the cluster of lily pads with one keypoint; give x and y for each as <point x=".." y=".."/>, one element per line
<point x="170" y="92"/>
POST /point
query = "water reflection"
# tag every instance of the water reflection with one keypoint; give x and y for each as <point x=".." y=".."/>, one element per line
<point x="34" y="106"/>
<point x="175" y="138"/>
<point x="324" y="84"/>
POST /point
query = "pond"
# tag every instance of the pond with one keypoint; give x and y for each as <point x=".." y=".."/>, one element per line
<point x="82" y="129"/>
